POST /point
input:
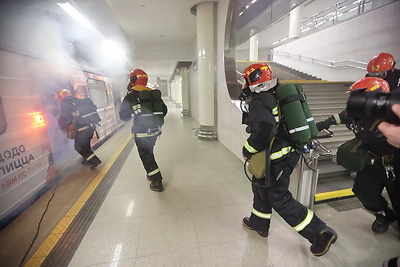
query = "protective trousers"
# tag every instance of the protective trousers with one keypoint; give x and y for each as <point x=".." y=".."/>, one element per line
<point x="369" y="184"/>
<point x="278" y="197"/>
<point x="82" y="143"/>
<point x="145" y="147"/>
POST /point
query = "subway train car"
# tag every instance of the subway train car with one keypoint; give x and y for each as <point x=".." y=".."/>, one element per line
<point x="32" y="146"/>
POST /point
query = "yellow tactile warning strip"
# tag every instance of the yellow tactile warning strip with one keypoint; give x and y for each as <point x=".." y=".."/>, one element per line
<point x="333" y="195"/>
<point x="48" y="245"/>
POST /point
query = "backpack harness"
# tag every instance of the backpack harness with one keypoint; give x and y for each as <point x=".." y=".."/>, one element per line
<point x="150" y="111"/>
<point x="294" y="116"/>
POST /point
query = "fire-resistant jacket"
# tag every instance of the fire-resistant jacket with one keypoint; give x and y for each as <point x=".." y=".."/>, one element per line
<point x="129" y="105"/>
<point x="68" y="109"/>
<point x="262" y="125"/>
<point x="372" y="139"/>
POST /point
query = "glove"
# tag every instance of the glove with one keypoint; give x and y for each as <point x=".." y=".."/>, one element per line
<point x="246" y="154"/>
<point x="325" y="124"/>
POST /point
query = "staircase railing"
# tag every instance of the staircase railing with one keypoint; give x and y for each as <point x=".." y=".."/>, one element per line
<point x="339" y="12"/>
<point x="323" y="62"/>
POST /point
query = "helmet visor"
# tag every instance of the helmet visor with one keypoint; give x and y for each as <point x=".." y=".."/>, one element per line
<point x="381" y="74"/>
<point x="265" y="86"/>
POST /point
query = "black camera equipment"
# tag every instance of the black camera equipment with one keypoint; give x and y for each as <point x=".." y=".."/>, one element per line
<point x="373" y="105"/>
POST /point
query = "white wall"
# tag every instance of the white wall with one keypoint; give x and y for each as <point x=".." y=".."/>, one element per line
<point x="231" y="133"/>
<point x="358" y="39"/>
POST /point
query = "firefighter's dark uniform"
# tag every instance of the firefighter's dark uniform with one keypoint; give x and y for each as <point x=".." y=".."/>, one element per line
<point x="393" y="78"/>
<point x="145" y="139"/>
<point x="382" y="171"/>
<point x="369" y="183"/>
<point x="262" y="126"/>
<point x="84" y="133"/>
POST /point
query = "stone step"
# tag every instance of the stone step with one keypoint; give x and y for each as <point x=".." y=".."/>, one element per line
<point x="330" y="169"/>
<point x="334" y="184"/>
<point x="326" y="102"/>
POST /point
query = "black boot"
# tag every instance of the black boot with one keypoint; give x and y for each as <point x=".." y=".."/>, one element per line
<point x="157" y="186"/>
<point x="393" y="262"/>
<point x="85" y="162"/>
<point x="325" y="239"/>
<point x="261" y="231"/>
<point x="94" y="161"/>
<point x="382" y="222"/>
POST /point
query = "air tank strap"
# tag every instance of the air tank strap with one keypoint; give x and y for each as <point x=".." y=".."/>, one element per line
<point x="268" y="181"/>
<point x="290" y="98"/>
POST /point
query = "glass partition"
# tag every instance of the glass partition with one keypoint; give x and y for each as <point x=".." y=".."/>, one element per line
<point x="246" y="18"/>
<point x="340" y="12"/>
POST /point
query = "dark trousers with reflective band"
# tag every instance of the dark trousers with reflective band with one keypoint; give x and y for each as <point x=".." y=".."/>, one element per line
<point x="82" y="142"/>
<point x="145" y="147"/>
<point x="369" y="184"/>
<point x="279" y="198"/>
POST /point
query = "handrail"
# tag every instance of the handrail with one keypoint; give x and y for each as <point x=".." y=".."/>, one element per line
<point x="341" y="11"/>
<point x="324" y="62"/>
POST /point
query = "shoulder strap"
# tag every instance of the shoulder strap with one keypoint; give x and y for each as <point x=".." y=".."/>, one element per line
<point x="290" y="98"/>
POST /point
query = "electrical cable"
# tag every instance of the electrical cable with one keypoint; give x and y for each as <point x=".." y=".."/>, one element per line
<point x="38" y="228"/>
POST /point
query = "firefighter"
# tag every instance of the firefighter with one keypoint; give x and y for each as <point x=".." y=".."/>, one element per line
<point x="392" y="133"/>
<point x="383" y="170"/>
<point x="383" y="66"/>
<point x="145" y="138"/>
<point x="266" y="134"/>
<point x="81" y="133"/>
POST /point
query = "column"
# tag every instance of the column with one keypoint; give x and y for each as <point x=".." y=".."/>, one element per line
<point x="253" y="44"/>
<point x="185" y="91"/>
<point x="178" y="81"/>
<point x="295" y="22"/>
<point x="205" y="52"/>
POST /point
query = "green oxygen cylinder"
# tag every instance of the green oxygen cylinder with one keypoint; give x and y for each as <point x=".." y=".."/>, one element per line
<point x="157" y="108"/>
<point x="293" y="114"/>
<point x="307" y="112"/>
<point x="146" y="102"/>
<point x="146" y="106"/>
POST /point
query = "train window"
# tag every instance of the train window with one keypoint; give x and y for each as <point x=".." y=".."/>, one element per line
<point x="97" y="92"/>
<point x="81" y="91"/>
<point x="3" y="119"/>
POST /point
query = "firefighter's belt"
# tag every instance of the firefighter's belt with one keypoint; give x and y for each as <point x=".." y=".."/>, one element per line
<point x="386" y="159"/>
<point x="257" y="165"/>
<point x="352" y="155"/>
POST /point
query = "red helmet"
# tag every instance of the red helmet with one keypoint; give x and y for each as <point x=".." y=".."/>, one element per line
<point x="258" y="78"/>
<point x="380" y="64"/>
<point x="137" y="77"/>
<point x="370" y="84"/>
<point x="61" y="94"/>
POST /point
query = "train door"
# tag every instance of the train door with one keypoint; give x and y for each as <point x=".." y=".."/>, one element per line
<point x="99" y="89"/>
